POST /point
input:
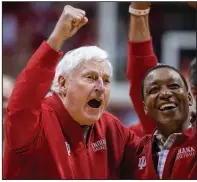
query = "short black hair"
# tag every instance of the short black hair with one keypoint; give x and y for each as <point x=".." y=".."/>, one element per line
<point x="157" y="67"/>
<point x="192" y="73"/>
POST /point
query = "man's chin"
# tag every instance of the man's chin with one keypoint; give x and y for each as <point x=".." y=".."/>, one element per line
<point x="91" y="118"/>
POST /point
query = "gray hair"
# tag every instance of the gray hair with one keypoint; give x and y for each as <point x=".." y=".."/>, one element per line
<point x="73" y="58"/>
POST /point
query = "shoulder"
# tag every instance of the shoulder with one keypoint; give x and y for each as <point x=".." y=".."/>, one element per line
<point x="108" y="116"/>
<point x="142" y="143"/>
<point x="114" y="125"/>
<point x="190" y="133"/>
<point x="112" y="121"/>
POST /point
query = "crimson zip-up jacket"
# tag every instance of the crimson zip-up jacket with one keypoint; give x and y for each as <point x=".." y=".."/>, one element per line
<point x="44" y="142"/>
<point x="181" y="159"/>
<point x="180" y="162"/>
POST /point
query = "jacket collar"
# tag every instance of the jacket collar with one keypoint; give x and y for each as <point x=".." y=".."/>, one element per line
<point x="71" y="129"/>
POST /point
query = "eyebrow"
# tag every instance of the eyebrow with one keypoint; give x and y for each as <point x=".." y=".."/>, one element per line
<point x="95" y="72"/>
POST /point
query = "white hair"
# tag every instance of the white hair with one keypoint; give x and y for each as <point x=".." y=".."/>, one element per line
<point x="73" y="58"/>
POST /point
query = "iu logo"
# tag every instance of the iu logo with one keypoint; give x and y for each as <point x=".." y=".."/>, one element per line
<point x="142" y="162"/>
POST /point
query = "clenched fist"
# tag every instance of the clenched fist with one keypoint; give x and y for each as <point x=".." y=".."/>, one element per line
<point x="70" y="21"/>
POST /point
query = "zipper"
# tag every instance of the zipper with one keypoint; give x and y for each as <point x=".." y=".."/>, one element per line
<point x="87" y="149"/>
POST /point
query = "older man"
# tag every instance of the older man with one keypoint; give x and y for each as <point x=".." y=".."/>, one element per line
<point x="67" y="135"/>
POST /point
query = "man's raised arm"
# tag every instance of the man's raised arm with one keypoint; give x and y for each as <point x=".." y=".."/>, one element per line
<point x="24" y="108"/>
<point x="140" y="59"/>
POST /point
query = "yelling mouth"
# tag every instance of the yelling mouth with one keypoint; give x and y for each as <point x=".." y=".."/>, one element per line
<point x="168" y="107"/>
<point x="94" y="103"/>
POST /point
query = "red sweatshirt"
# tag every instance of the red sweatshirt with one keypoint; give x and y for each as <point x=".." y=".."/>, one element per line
<point x="44" y="142"/>
<point x="140" y="59"/>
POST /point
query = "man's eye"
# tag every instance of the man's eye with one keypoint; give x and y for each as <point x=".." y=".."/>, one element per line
<point x="106" y="81"/>
<point x="91" y="77"/>
<point x="153" y="90"/>
<point x="174" y="86"/>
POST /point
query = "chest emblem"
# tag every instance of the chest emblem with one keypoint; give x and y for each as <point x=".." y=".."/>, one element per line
<point x="142" y="162"/>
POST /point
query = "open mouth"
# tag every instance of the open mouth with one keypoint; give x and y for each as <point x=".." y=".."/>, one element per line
<point x="168" y="107"/>
<point x="94" y="103"/>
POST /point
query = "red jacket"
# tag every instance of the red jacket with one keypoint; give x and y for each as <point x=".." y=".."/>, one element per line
<point x="36" y="147"/>
<point x="140" y="59"/>
<point x="180" y="162"/>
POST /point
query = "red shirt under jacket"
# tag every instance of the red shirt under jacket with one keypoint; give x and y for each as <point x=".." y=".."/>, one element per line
<point x="180" y="162"/>
<point x="36" y="147"/>
<point x="141" y="58"/>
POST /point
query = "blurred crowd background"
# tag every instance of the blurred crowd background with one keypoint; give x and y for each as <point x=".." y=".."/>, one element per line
<point x="27" y="24"/>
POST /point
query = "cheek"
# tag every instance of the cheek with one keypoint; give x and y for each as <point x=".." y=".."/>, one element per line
<point x="107" y="94"/>
<point x="182" y="97"/>
<point x="79" y="92"/>
<point x="150" y="103"/>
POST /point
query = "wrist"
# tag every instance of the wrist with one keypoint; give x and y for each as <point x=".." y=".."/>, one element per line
<point x="140" y="5"/>
<point x="55" y="42"/>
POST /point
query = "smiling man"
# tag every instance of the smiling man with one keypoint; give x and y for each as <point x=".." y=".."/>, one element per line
<point x="166" y="99"/>
<point x="173" y="144"/>
<point x="67" y="135"/>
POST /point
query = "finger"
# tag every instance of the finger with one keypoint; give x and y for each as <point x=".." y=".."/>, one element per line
<point x="76" y="21"/>
<point x="76" y="28"/>
<point x="83" y="22"/>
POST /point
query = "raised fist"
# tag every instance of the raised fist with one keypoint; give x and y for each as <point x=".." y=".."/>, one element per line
<point x="70" y="21"/>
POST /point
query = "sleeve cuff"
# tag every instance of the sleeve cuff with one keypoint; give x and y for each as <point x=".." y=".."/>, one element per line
<point x="46" y="57"/>
<point x="141" y="48"/>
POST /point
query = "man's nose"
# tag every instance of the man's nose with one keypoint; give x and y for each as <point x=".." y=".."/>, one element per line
<point x="165" y="93"/>
<point x="99" y="86"/>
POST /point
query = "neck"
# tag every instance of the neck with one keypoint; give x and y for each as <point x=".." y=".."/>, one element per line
<point x="167" y="131"/>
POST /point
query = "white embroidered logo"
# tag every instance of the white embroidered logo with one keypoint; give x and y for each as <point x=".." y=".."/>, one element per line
<point x="185" y="152"/>
<point x="68" y="148"/>
<point x="142" y="162"/>
<point x="99" y="145"/>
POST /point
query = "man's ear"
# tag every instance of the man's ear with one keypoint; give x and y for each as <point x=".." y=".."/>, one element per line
<point x="62" y="82"/>
<point x="190" y="99"/>
<point x="145" y="109"/>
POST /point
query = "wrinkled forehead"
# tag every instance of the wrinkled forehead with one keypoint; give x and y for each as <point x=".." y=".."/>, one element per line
<point x="102" y="67"/>
<point x="162" y="75"/>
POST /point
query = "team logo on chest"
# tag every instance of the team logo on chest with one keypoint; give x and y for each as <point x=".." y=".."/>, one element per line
<point x="142" y="162"/>
<point x="99" y="145"/>
<point x="185" y="152"/>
